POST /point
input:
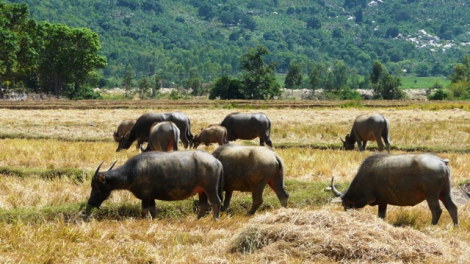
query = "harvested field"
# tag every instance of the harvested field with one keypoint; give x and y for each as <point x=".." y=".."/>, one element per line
<point x="50" y="149"/>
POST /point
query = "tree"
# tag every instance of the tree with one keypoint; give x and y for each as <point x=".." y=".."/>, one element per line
<point x="377" y="71"/>
<point x="316" y="75"/>
<point x="293" y="76"/>
<point x="70" y="55"/>
<point x="226" y="88"/>
<point x="341" y="75"/>
<point x="314" y="23"/>
<point x="21" y="41"/>
<point x="144" y="88"/>
<point x="388" y="88"/>
<point x="127" y="81"/>
<point x="158" y="85"/>
<point x="257" y="77"/>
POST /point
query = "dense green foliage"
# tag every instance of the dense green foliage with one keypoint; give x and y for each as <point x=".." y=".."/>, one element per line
<point x="46" y="57"/>
<point x="257" y="81"/>
<point x="182" y="39"/>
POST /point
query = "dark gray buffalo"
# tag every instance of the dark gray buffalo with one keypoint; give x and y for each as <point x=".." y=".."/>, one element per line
<point x="368" y="128"/>
<point x="163" y="136"/>
<point x="211" y="134"/>
<point x="249" y="169"/>
<point x="248" y="126"/>
<point x="141" y="130"/>
<point x="168" y="176"/>
<point x="124" y="127"/>
<point x="402" y="180"/>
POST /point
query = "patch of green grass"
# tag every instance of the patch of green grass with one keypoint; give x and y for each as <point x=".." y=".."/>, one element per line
<point x="302" y="195"/>
<point x="59" y="138"/>
<point x="411" y="82"/>
<point x="76" y="174"/>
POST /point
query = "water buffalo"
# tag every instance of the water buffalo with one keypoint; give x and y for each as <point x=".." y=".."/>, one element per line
<point x="212" y="134"/>
<point x="167" y="176"/>
<point x="141" y="130"/>
<point x="249" y="169"/>
<point x="248" y="126"/>
<point x="163" y="136"/>
<point x="123" y="128"/>
<point x="368" y="128"/>
<point x="402" y="180"/>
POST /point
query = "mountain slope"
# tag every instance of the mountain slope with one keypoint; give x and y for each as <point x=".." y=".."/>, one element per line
<point x="182" y="38"/>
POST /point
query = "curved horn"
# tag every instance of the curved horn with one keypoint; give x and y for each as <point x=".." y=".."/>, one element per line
<point x="333" y="188"/>
<point x="342" y="140"/>
<point x="98" y="169"/>
<point x="110" y="168"/>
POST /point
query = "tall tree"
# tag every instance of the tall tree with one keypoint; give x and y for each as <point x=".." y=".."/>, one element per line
<point x="70" y="55"/>
<point x="258" y="78"/>
<point x="317" y="75"/>
<point x="144" y="88"/>
<point x="21" y="40"/>
<point x="293" y="76"/>
<point x="127" y="81"/>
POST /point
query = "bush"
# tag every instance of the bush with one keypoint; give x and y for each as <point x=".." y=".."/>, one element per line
<point x="439" y="94"/>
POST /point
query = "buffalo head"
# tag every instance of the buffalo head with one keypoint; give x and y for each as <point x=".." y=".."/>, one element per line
<point x="347" y="144"/>
<point x="100" y="189"/>
<point x="124" y="142"/>
<point x="347" y="204"/>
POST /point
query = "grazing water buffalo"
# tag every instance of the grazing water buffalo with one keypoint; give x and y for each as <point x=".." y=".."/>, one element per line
<point x="212" y="134"/>
<point x="163" y="136"/>
<point x="402" y="180"/>
<point x="249" y="169"/>
<point x="248" y="126"/>
<point x="141" y="130"/>
<point x="167" y="176"/>
<point x="368" y="128"/>
<point x="123" y="128"/>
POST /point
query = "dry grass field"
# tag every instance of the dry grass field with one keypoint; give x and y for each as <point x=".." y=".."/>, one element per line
<point x="49" y="153"/>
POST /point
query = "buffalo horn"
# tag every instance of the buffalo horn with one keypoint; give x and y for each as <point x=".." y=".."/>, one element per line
<point x="99" y="167"/>
<point x="333" y="188"/>
<point x="110" y="168"/>
<point x="342" y="140"/>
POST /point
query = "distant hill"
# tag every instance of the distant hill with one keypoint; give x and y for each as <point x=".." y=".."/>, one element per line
<point x="179" y="39"/>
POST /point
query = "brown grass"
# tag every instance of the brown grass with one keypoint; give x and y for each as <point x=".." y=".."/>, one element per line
<point x="326" y="234"/>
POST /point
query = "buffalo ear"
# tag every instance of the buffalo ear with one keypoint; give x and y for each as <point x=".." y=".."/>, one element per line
<point x="347" y="137"/>
<point x="101" y="178"/>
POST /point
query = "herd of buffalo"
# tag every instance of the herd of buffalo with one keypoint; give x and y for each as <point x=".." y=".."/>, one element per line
<point x="161" y="172"/>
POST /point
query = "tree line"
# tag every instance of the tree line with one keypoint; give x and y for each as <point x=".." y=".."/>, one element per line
<point x="181" y="39"/>
<point x="47" y="57"/>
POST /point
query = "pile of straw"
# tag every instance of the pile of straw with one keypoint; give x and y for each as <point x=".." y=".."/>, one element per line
<point x="333" y="236"/>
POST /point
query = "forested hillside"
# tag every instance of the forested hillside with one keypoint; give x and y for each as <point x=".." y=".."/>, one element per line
<point x="180" y="39"/>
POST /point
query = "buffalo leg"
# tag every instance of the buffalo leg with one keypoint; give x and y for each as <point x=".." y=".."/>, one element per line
<point x="149" y="206"/>
<point x="257" y="195"/>
<point x="359" y="145"/>
<point x="380" y="144"/>
<point x="215" y="203"/>
<point x="269" y="143"/>
<point x="261" y="142"/>
<point x="449" y="204"/>
<point x="204" y="205"/>
<point x="364" y="145"/>
<point x="385" y="136"/>
<point x="382" y="210"/>
<point x="277" y="186"/>
<point x="228" y="197"/>
<point x="139" y="144"/>
<point x="436" y="211"/>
